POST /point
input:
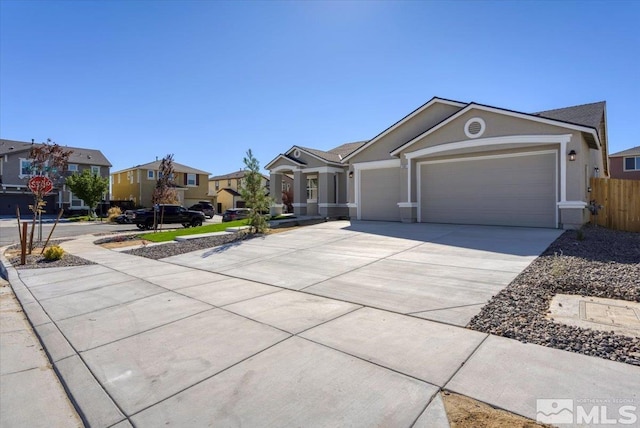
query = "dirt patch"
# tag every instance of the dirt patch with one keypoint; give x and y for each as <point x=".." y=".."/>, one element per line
<point x="464" y="412"/>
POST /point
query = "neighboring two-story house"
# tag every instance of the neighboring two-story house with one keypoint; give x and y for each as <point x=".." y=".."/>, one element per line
<point x="226" y="190"/>
<point x="625" y="164"/>
<point x="137" y="184"/>
<point x="14" y="177"/>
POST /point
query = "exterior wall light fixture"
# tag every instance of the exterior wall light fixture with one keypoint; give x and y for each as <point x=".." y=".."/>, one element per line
<point x="572" y="155"/>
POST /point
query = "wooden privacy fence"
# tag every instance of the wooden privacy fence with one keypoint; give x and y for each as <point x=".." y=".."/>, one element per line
<point x="620" y="201"/>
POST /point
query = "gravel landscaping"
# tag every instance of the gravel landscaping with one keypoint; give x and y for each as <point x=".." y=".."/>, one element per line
<point x="603" y="263"/>
<point x="37" y="261"/>
<point x="174" y="248"/>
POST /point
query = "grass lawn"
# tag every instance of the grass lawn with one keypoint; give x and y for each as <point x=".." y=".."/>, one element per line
<point x="171" y="234"/>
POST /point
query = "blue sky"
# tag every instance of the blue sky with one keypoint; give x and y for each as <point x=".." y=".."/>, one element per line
<point x="207" y="80"/>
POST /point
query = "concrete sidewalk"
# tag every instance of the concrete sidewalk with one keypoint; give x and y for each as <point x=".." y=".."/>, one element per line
<point x="30" y="393"/>
<point x="320" y="326"/>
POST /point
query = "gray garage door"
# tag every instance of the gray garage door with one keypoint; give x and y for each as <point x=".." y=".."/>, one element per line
<point x="380" y="194"/>
<point x="509" y="191"/>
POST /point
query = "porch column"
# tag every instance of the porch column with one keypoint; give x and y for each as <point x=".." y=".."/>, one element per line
<point x="275" y="191"/>
<point x="326" y="193"/>
<point x="299" y="193"/>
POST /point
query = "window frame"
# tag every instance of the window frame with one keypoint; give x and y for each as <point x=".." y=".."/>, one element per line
<point x="636" y="163"/>
<point x="312" y="191"/>
<point x="73" y="167"/>
<point x="189" y="182"/>
<point x="22" y="174"/>
<point x="151" y="174"/>
<point x="95" y="168"/>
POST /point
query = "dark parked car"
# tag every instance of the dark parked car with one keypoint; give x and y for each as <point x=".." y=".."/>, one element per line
<point x="205" y="207"/>
<point x="125" y="218"/>
<point x="236" y="214"/>
<point x="167" y="214"/>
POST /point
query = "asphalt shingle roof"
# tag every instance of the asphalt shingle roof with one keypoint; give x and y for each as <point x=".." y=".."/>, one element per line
<point x="336" y="154"/>
<point x="79" y="155"/>
<point x="585" y="114"/>
<point x="155" y="165"/>
<point x="233" y="175"/>
<point x="633" y="151"/>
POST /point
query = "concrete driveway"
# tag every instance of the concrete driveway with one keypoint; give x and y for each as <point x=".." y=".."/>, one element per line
<point x="326" y="325"/>
<point x="439" y="272"/>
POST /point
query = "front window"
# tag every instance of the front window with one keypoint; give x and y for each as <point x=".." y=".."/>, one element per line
<point x="632" y="163"/>
<point x="72" y="167"/>
<point x="312" y="189"/>
<point x="25" y="167"/>
<point x="151" y="174"/>
<point x="75" y="202"/>
<point x="95" y="170"/>
<point x="191" y="179"/>
<point x="217" y="185"/>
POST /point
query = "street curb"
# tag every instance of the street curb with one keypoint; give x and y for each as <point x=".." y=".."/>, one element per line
<point x="93" y="405"/>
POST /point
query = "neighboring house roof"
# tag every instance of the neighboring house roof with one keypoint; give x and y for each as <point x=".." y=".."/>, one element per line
<point x="234" y="175"/>
<point x="633" y="151"/>
<point x="230" y="191"/>
<point x="155" y="165"/>
<point x="79" y="155"/>
<point x="584" y="114"/>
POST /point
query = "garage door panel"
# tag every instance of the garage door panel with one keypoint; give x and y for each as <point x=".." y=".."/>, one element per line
<point x="516" y="191"/>
<point x="380" y="194"/>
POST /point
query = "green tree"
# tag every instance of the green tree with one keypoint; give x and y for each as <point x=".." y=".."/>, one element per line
<point x="255" y="194"/>
<point x="89" y="187"/>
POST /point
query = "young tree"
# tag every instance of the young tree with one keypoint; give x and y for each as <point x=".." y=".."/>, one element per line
<point x="89" y="187"/>
<point x="165" y="191"/>
<point x="255" y="195"/>
<point x="46" y="159"/>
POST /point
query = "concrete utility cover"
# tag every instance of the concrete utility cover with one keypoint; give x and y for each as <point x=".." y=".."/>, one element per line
<point x="620" y="316"/>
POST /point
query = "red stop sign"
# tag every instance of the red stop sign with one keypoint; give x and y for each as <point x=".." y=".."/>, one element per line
<point x="40" y="184"/>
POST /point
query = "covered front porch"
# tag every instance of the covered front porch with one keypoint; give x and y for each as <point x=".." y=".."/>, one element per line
<point x="308" y="190"/>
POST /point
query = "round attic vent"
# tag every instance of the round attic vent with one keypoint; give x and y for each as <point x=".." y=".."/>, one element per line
<point x="296" y="153"/>
<point x="474" y="127"/>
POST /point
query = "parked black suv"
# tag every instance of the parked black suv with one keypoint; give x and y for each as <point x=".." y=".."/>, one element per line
<point x="205" y="207"/>
<point x="167" y="214"/>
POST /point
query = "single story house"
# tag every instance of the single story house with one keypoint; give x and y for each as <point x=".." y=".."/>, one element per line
<point x="625" y="164"/>
<point x="456" y="162"/>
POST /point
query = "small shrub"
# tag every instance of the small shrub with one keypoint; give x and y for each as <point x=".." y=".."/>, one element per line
<point x="580" y="235"/>
<point x="558" y="266"/>
<point x="53" y="253"/>
<point x="113" y="213"/>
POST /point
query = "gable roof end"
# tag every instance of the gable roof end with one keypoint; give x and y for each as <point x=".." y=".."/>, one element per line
<point x="402" y="121"/>
<point x="590" y="132"/>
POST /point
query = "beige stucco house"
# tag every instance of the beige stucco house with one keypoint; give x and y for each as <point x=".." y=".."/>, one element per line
<point x="455" y="162"/>
<point x="226" y="189"/>
<point x="137" y="184"/>
<point x="15" y="174"/>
